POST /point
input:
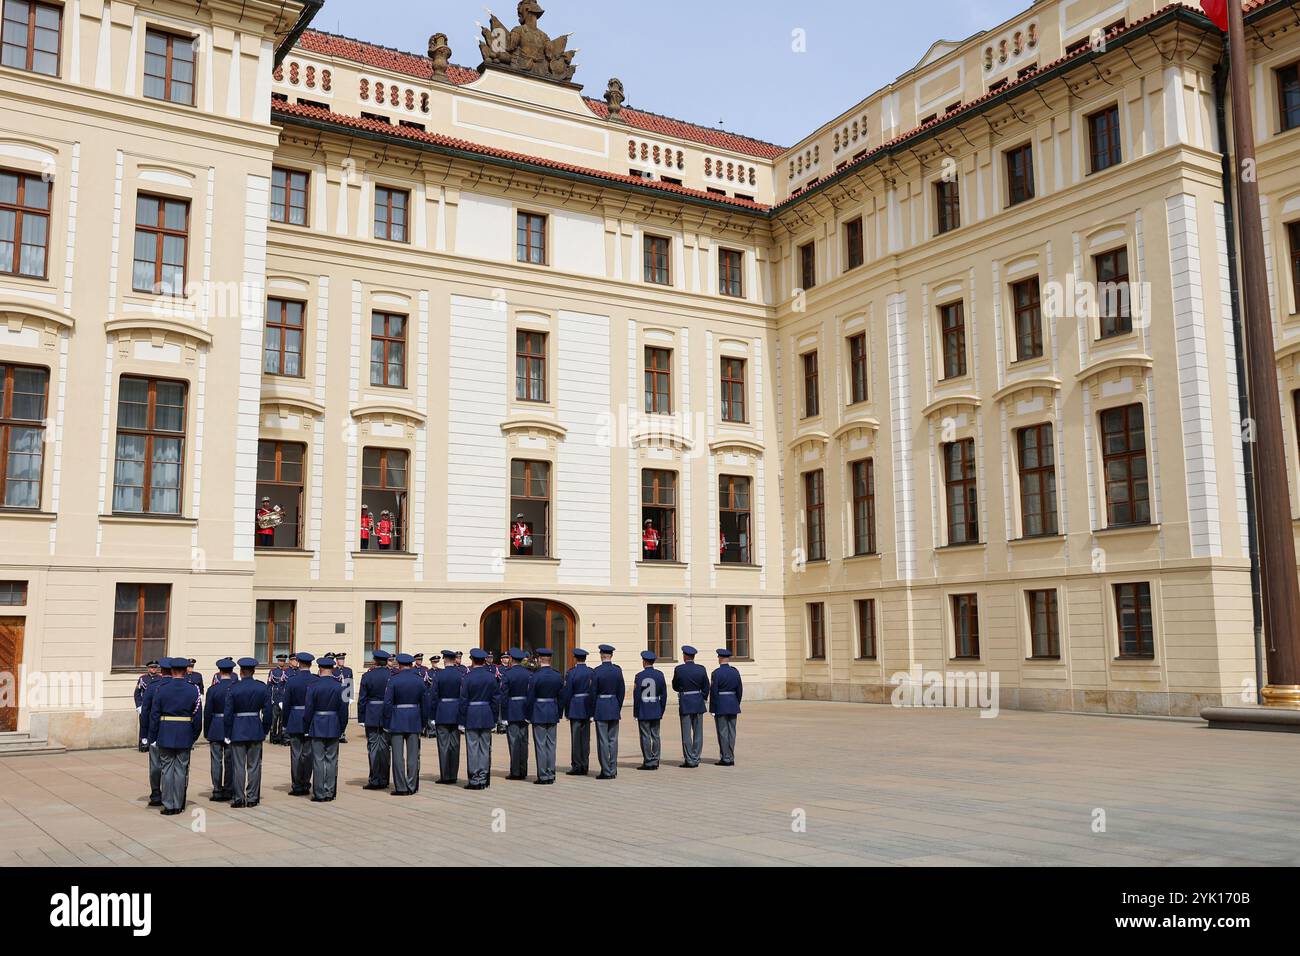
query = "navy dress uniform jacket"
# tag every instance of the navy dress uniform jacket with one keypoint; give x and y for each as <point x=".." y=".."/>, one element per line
<point x="146" y="705"/>
<point x="214" y="711"/>
<point x="445" y="694"/>
<point x="607" y="682"/>
<point x="544" y="689"/>
<point x="248" y="711"/>
<point x="649" y="694"/>
<point x="406" y="706"/>
<point x="326" y="714"/>
<point x="295" y="700"/>
<point x="691" y="681"/>
<point x="478" y="700"/>
<point x="176" y="716"/>
<point x="514" y="693"/>
<point x="725" y="694"/>
<point x="370" y="699"/>
<point x="578" y="687"/>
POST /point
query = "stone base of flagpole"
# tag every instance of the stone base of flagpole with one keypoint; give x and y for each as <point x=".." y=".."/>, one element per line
<point x="1280" y="713"/>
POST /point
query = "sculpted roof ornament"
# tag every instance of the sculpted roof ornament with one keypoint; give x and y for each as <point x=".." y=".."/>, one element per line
<point x="526" y="48"/>
<point x="440" y="55"/>
<point x="614" y="97"/>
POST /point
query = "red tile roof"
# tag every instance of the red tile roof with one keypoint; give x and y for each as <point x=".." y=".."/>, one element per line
<point x="419" y="67"/>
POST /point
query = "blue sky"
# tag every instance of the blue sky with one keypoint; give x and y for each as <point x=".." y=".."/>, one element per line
<point x="728" y="62"/>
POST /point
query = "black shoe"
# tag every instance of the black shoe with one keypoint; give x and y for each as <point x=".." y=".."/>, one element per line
<point x="155" y="803"/>
<point x="299" y="793"/>
<point x="237" y="804"/>
<point x="252" y="803"/>
<point x="398" y="793"/>
<point x="375" y="786"/>
<point x="475" y="786"/>
<point x="218" y="798"/>
<point x="513" y="777"/>
<point x="170" y="813"/>
<point x="725" y="763"/>
<point x="447" y="783"/>
<point x="646" y="766"/>
<point x="606" y="776"/>
<point x="575" y="773"/>
<point x="543" y="783"/>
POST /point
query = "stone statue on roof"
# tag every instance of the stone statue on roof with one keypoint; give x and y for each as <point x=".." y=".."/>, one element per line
<point x="527" y="48"/>
<point x="440" y="55"/>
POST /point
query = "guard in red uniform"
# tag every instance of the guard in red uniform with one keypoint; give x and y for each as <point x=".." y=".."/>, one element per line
<point x="367" y="526"/>
<point x="521" y="537"/>
<point x="265" y="536"/>
<point x="650" y="542"/>
<point x="385" y="531"/>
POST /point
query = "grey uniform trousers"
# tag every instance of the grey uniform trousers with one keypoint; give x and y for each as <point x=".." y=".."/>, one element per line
<point x="478" y="755"/>
<point x="692" y="738"/>
<point x="726" y="725"/>
<point x="544" y="744"/>
<point x="246" y="771"/>
<point x="175" y="777"/>
<point x="448" y="752"/>
<point x="155" y="775"/>
<point x="324" y="767"/>
<point x="219" y="762"/>
<point x="579" y="744"/>
<point x="607" y="746"/>
<point x="406" y="762"/>
<point x="379" y="748"/>
<point x="517" y="744"/>
<point x="300" y="766"/>
<point x="651" y="742"/>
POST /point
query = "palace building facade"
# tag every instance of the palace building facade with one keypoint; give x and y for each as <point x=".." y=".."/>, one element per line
<point x="311" y="344"/>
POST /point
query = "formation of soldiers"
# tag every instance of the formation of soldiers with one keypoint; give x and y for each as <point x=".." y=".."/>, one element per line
<point x="400" y="700"/>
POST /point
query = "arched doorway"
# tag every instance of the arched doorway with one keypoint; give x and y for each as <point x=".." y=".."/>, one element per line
<point x="529" y="623"/>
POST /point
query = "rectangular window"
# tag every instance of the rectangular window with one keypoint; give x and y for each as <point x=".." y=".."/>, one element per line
<point x="863" y="477"/>
<point x="1020" y="174"/>
<point x="1288" y="96"/>
<point x="384" y="495"/>
<point x="817" y="631"/>
<point x="1113" y="292"/>
<point x="530" y="238"/>
<point x="24" y="391"/>
<point x="1037" y="480"/>
<point x="658" y="381"/>
<point x="1027" y="306"/>
<point x="169" y="67"/>
<point x="140" y="614"/>
<point x="31" y="36"/>
<point x="733" y="390"/>
<point x="952" y="324"/>
<point x="811" y="386"/>
<point x="658" y="515"/>
<point x="391" y="207"/>
<point x="963" y="498"/>
<point x="659" y="631"/>
<point x="1133" y="610"/>
<point x="1103" y="139"/>
<point x="966" y="626"/>
<point x="162" y="238"/>
<point x="530" y="503"/>
<point x="150" y="454"/>
<point x="737" y="616"/>
<point x="1044" y="627"/>
<point x="383" y="628"/>
<point x="1293" y="237"/>
<point x="280" y="485"/>
<point x="733" y="520"/>
<point x="1124" y="461"/>
<point x="656" y="260"/>
<point x="273" y="630"/>
<point x="814" y="503"/>
<point x="24" y="224"/>
<point x="858" y="368"/>
<point x="866" y="629"/>
<point x="288" y="196"/>
<point x="854" y="246"/>
<point x="530" y="366"/>
<point x="808" y="265"/>
<point x="947" y="202"/>
<point x="387" y="350"/>
<point x="730" y="282"/>
<point x="282" y="339"/>
<point x="13" y="593"/>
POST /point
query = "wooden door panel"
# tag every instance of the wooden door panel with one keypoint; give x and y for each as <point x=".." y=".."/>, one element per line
<point x="11" y="655"/>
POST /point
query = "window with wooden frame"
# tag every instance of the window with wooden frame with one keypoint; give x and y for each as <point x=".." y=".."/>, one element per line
<point x="1020" y="174"/>
<point x="384" y="482"/>
<point x="854" y="244"/>
<point x="658" y="515"/>
<point x="273" y="630"/>
<point x="814" y="504"/>
<point x="150" y="450"/>
<point x="733" y="390"/>
<point x="965" y="627"/>
<point x="866" y="615"/>
<point x="162" y="239"/>
<point x="1044" y="625"/>
<point x="657" y="250"/>
<point x="391" y="214"/>
<point x="13" y="593"/>
<point x="1293" y="239"/>
<point x="952" y="329"/>
<point x="808" y="265"/>
<point x="1104" y="147"/>
<point x="734" y="515"/>
<point x="1113" y="293"/>
<point x="388" y="350"/>
<point x="1037" y="461"/>
<point x="169" y="67"/>
<point x="24" y="394"/>
<point x="737" y="631"/>
<point x="289" y="196"/>
<point x="816" y="631"/>
<point x="530" y="506"/>
<point x="1027" y="309"/>
<point x="947" y="204"/>
<point x="857" y="368"/>
<point x="1288" y="96"/>
<point x="383" y="628"/>
<point x="811" y="386"/>
<point x="282" y="338"/>
<point x="140" y="618"/>
<point x="1124" y="464"/>
<point x="959" y="478"/>
<point x="24" y="224"/>
<point x="530" y="238"/>
<point x="280" y="478"/>
<point x="31" y="36"/>
<point x="530" y="366"/>
<point x="658" y="381"/>
<point x="730" y="281"/>
<point x="659" y="631"/>
<point x="1134" y="621"/>
<point x="862" y="477"/>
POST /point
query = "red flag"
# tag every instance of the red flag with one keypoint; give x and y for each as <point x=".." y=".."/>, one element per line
<point x="1217" y="10"/>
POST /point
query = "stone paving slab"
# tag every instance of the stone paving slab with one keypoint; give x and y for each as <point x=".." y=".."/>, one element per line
<point x="877" y="787"/>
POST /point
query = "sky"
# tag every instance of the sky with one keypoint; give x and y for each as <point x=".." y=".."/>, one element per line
<point x="732" y="64"/>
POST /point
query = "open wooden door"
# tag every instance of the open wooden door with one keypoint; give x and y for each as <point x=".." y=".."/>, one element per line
<point x="11" y="655"/>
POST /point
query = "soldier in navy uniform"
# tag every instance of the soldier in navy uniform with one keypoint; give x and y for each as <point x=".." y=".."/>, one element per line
<point x="429" y="675"/>
<point x="479" y="699"/>
<point x="691" y="681"/>
<point x="294" y="707"/>
<point x="514" y="711"/>
<point x="343" y="674"/>
<point x="578" y="708"/>
<point x="141" y="686"/>
<point x="725" y="693"/>
<point x="214" y="729"/>
<point x="649" y="698"/>
<point x="406" y="710"/>
<point x="460" y="663"/>
<point x="545" y="686"/>
<point x="276" y="679"/>
<point x="193" y="676"/>
<point x="175" y="720"/>
<point x="247" y="720"/>
<point x="444" y="694"/>
<point x="325" y="717"/>
<point x="370" y="714"/>
<point x="165" y="676"/>
<point x="610" y="691"/>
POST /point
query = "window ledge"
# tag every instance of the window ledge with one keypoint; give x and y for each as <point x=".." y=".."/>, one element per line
<point x="662" y="564"/>
<point x="965" y="660"/>
<point x="150" y="520"/>
<point x="27" y="515"/>
<point x="872" y="556"/>
<point x="383" y="555"/>
<point x="1136" y="661"/>
<point x="737" y="567"/>
<point x="866" y="660"/>
<point x="1125" y="529"/>
<point x="289" y="552"/>
<point x="963" y="546"/>
<point x="1032" y="539"/>
<point x="1043" y="660"/>
<point x="525" y="559"/>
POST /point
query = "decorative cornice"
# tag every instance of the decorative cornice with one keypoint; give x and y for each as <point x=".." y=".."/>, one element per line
<point x="1029" y="383"/>
<point x="1115" y="363"/>
<point x="159" y="328"/>
<point x="385" y="410"/>
<point x="524" y="424"/>
<point x="954" y="400"/>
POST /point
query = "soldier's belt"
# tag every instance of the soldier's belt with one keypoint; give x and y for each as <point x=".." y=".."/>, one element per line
<point x="300" y="707"/>
<point x="544" y="700"/>
<point x="249" y="713"/>
<point x="186" y="719"/>
<point x="576" y="696"/>
<point x="404" y="706"/>
<point x="606" y="696"/>
<point x="685" y="692"/>
<point x="726" y="693"/>
<point x="518" y="698"/>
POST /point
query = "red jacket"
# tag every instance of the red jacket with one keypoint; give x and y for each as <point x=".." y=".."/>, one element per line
<point x="367" y="522"/>
<point x="385" y="530"/>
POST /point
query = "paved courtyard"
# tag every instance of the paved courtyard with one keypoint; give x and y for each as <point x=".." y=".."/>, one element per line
<point x="878" y="786"/>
